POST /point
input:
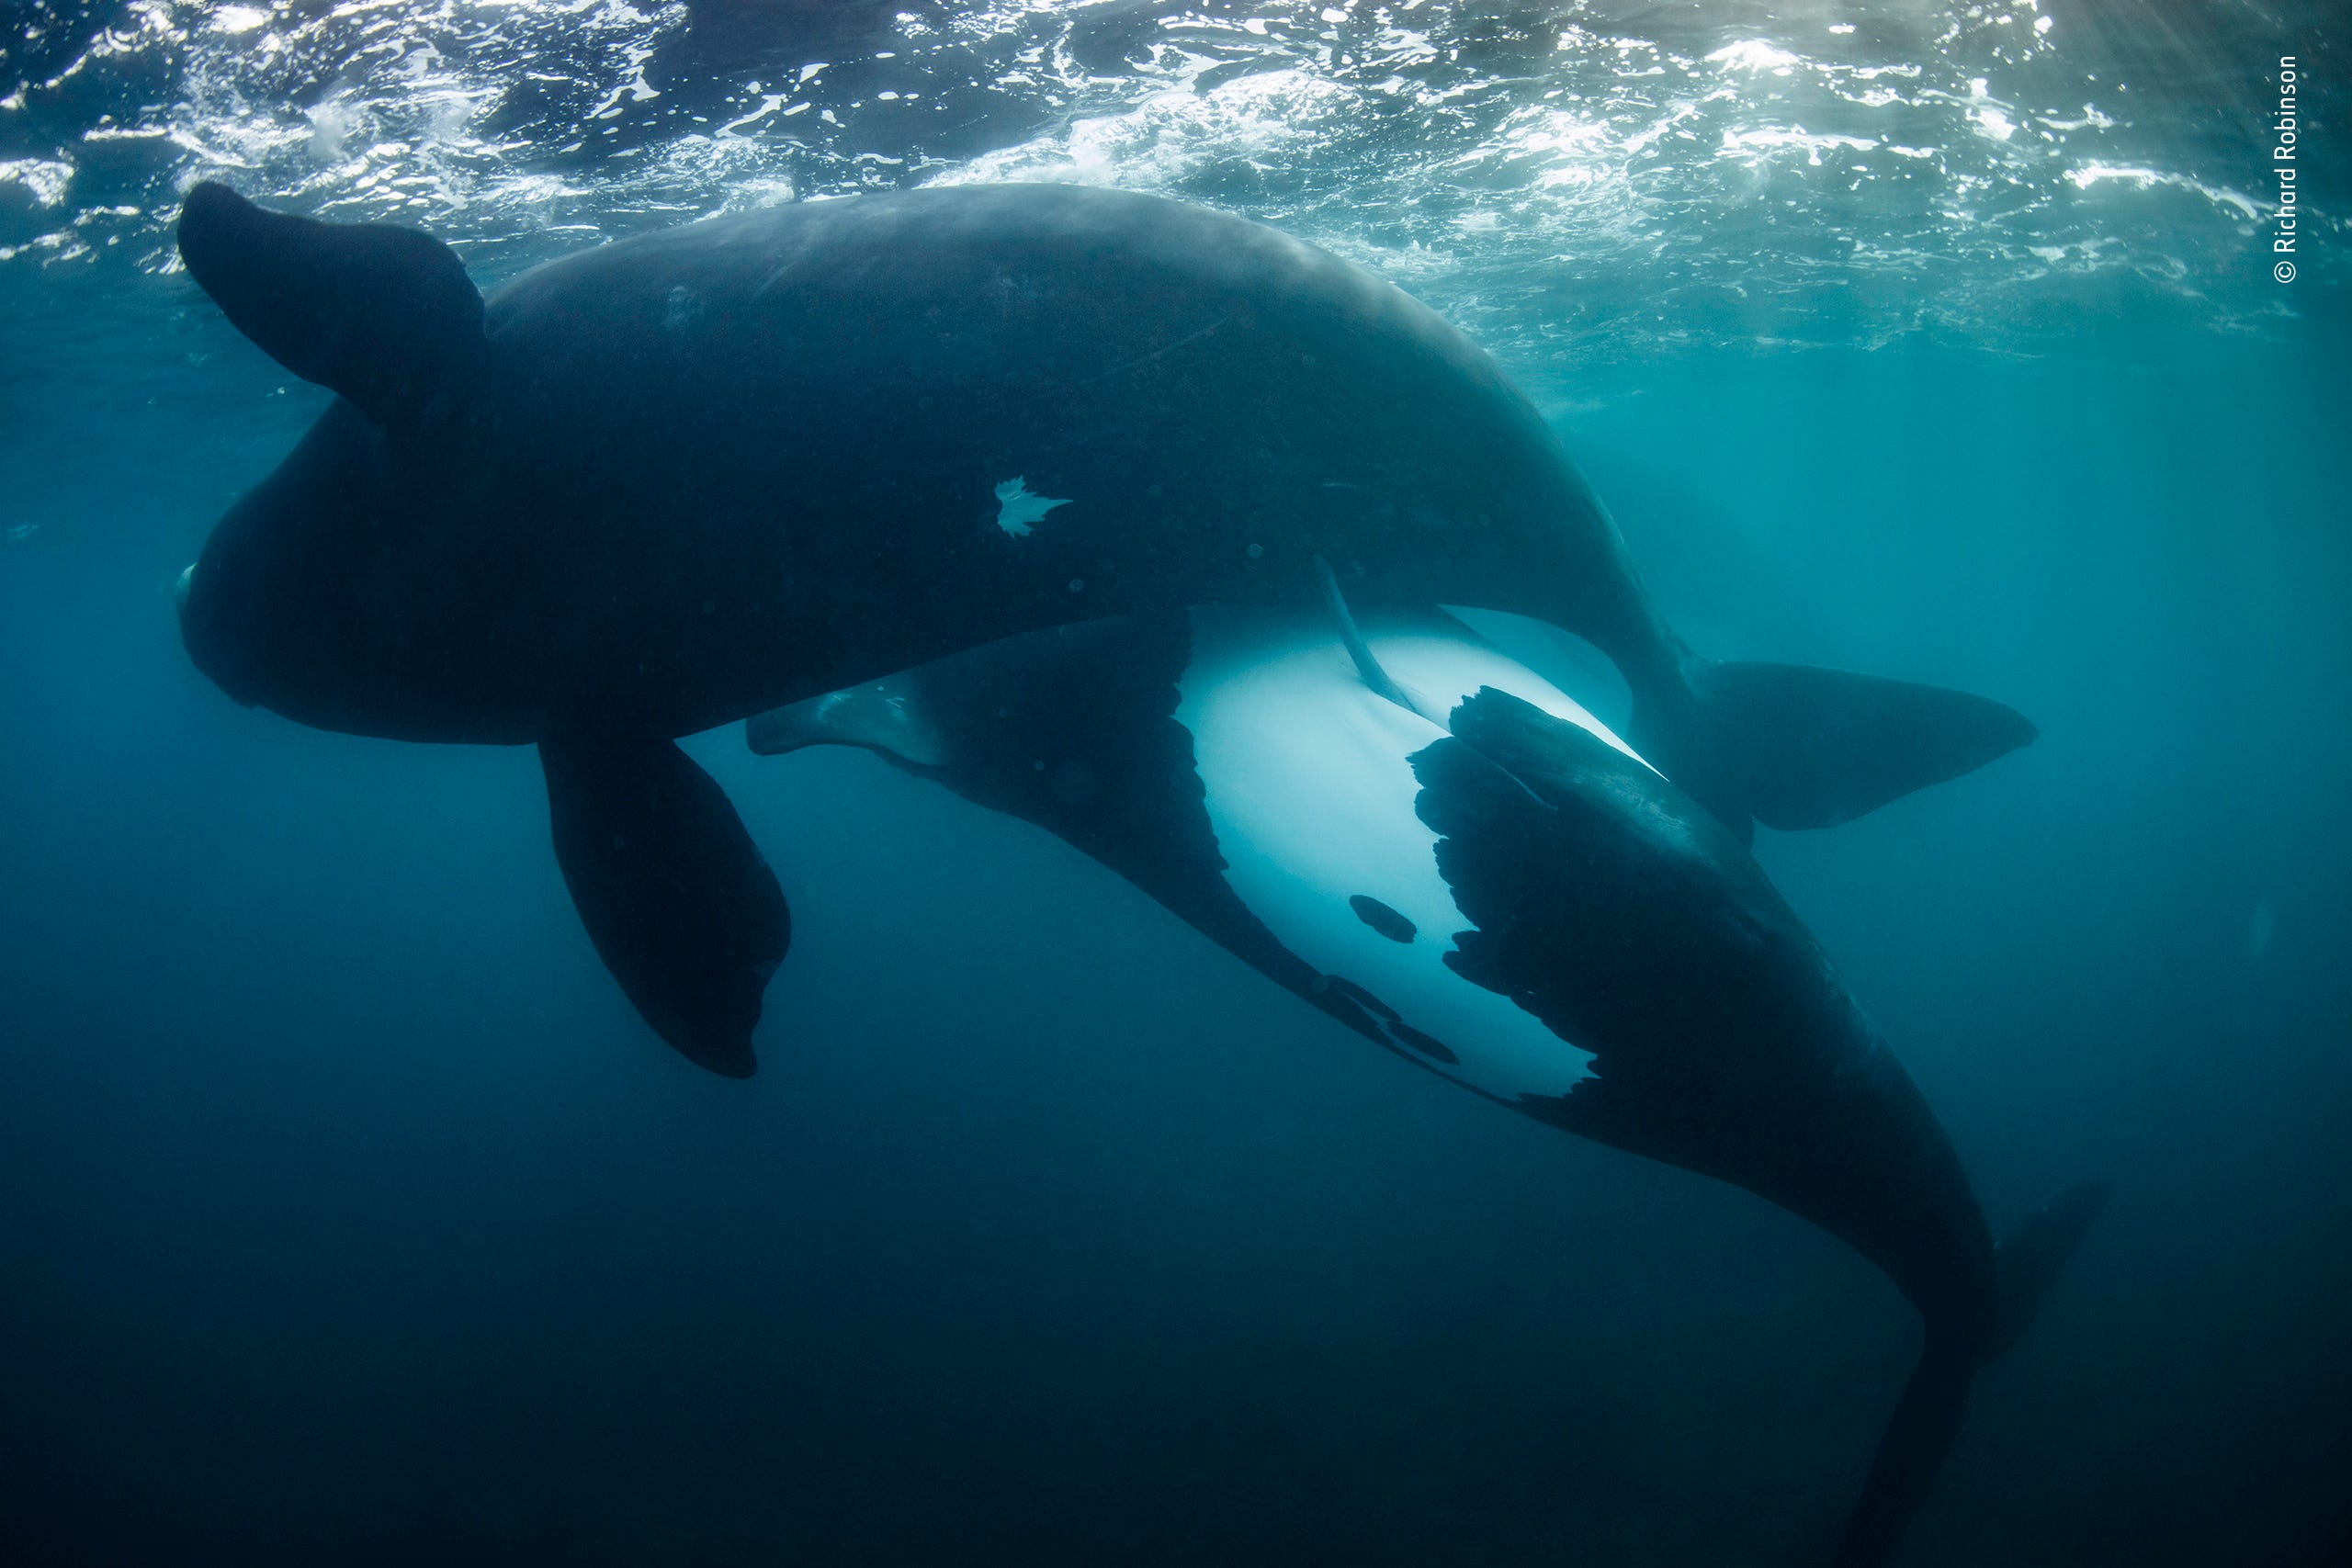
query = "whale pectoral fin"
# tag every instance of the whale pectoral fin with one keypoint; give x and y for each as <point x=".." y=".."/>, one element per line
<point x="679" y="903"/>
<point x="891" y="717"/>
<point x="384" y="315"/>
<point x="1074" y="730"/>
<point x="1792" y="747"/>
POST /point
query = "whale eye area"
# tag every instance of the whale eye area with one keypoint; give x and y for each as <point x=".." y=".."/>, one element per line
<point x="1382" y="918"/>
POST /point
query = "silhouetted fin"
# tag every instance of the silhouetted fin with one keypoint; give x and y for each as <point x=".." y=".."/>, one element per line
<point x="681" y="905"/>
<point x="1793" y="747"/>
<point x="384" y="315"/>
<point x="1918" y="1437"/>
<point x="2031" y="1255"/>
<point x="1920" y="1432"/>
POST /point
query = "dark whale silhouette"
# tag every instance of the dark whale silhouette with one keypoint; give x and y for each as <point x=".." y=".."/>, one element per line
<point x="1452" y="857"/>
<point x="673" y="481"/>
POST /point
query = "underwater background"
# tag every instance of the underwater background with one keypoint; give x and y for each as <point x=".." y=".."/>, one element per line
<point x="349" y="1215"/>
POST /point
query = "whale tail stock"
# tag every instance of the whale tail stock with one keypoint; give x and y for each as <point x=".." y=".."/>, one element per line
<point x="1919" y="1432"/>
<point x="1791" y="746"/>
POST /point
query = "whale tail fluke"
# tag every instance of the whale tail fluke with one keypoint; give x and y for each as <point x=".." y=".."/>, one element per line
<point x="2031" y="1255"/>
<point x="1919" y="1434"/>
<point x="1791" y="746"/>
<point x="1910" y="1452"/>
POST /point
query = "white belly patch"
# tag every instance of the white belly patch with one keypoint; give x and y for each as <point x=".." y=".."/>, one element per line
<point x="1310" y="793"/>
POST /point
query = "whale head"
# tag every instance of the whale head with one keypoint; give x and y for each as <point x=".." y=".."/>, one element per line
<point x="270" y="611"/>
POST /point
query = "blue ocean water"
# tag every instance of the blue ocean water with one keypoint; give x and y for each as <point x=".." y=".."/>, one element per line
<point x="350" y="1215"/>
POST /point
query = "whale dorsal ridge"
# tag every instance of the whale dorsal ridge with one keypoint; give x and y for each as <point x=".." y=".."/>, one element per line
<point x="385" y="316"/>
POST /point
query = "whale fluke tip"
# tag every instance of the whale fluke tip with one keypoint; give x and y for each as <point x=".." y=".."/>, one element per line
<point x="1793" y="747"/>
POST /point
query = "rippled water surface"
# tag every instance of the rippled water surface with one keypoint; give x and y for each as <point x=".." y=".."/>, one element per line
<point x="1570" y="178"/>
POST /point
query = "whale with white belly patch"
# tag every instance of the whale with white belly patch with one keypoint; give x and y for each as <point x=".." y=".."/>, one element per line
<point x="1455" y="857"/>
<point x="656" y="486"/>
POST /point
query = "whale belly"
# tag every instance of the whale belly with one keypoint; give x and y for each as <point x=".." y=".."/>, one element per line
<point x="1309" y="786"/>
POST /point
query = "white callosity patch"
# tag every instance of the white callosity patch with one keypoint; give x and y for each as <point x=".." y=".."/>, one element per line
<point x="1310" y="791"/>
<point x="1019" y="509"/>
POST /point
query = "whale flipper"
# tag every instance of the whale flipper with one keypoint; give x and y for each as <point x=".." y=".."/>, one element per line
<point x="1074" y="730"/>
<point x="384" y="315"/>
<point x="1791" y="746"/>
<point x="679" y="903"/>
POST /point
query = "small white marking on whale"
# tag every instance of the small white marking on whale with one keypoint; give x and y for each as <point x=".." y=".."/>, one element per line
<point x="1018" y="507"/>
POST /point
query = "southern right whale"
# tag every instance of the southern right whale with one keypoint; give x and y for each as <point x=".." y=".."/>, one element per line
<point x="1453" y="857"/>
<point x="661" y="484"/>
